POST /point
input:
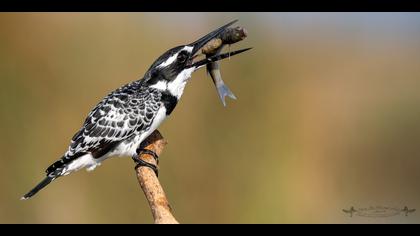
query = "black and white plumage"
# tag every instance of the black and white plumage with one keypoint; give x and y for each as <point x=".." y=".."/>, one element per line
<point x="124" y="118"/>
<point x="114" y="127"/>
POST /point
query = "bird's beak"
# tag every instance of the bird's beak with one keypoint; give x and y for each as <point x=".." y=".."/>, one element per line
<point x="197" y="45"/>
<point x="214" y="58"/>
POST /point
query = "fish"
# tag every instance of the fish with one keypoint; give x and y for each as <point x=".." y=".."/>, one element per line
<point x="213" y="69"/>
<point x="214" y="47"/>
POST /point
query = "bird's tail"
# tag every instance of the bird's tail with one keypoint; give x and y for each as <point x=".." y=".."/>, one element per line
<point x="40" y="186"/>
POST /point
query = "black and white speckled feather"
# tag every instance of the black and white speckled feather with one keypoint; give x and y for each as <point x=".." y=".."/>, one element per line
<point x="113" y="125"/>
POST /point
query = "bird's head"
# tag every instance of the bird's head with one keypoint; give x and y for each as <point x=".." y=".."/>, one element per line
<point x="171" y="71"/>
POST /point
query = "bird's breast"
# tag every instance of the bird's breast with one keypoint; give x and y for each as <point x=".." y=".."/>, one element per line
<point x="128" y="147"/>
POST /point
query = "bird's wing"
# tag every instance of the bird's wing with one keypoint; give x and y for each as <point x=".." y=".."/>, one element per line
<point x="123" y="113"/>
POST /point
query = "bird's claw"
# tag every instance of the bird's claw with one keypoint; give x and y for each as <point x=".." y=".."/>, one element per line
<point x="150" y="152"/>
<point x="141" y="162"/>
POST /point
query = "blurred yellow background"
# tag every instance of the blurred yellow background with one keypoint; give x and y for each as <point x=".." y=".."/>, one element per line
<point x="327" y="117"/>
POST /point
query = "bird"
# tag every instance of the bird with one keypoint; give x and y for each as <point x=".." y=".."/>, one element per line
<point x="124" y="118"/>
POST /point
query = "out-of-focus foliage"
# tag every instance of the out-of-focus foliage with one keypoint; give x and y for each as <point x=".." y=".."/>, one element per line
<point x="327" y="117"/>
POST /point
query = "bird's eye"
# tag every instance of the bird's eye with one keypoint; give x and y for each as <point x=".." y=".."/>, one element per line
<point x="182" y="57"/>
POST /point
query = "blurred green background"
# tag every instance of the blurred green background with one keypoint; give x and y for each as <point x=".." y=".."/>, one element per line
<point x="327" y="117"/>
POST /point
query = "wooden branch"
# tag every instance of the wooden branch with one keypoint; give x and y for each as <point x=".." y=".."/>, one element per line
<point x="149" y="183"/>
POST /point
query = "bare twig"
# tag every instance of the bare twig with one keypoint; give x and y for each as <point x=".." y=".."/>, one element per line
<point x="150" y="184"/>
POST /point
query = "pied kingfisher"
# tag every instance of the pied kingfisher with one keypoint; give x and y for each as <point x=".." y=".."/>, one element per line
<point x="124" y="118"/>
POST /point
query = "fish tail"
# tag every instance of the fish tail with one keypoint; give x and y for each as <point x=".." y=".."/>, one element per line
<point x="224" y="91"/>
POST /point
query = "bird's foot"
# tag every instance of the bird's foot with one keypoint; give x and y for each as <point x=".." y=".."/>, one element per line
<point x="141" y="162"/>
